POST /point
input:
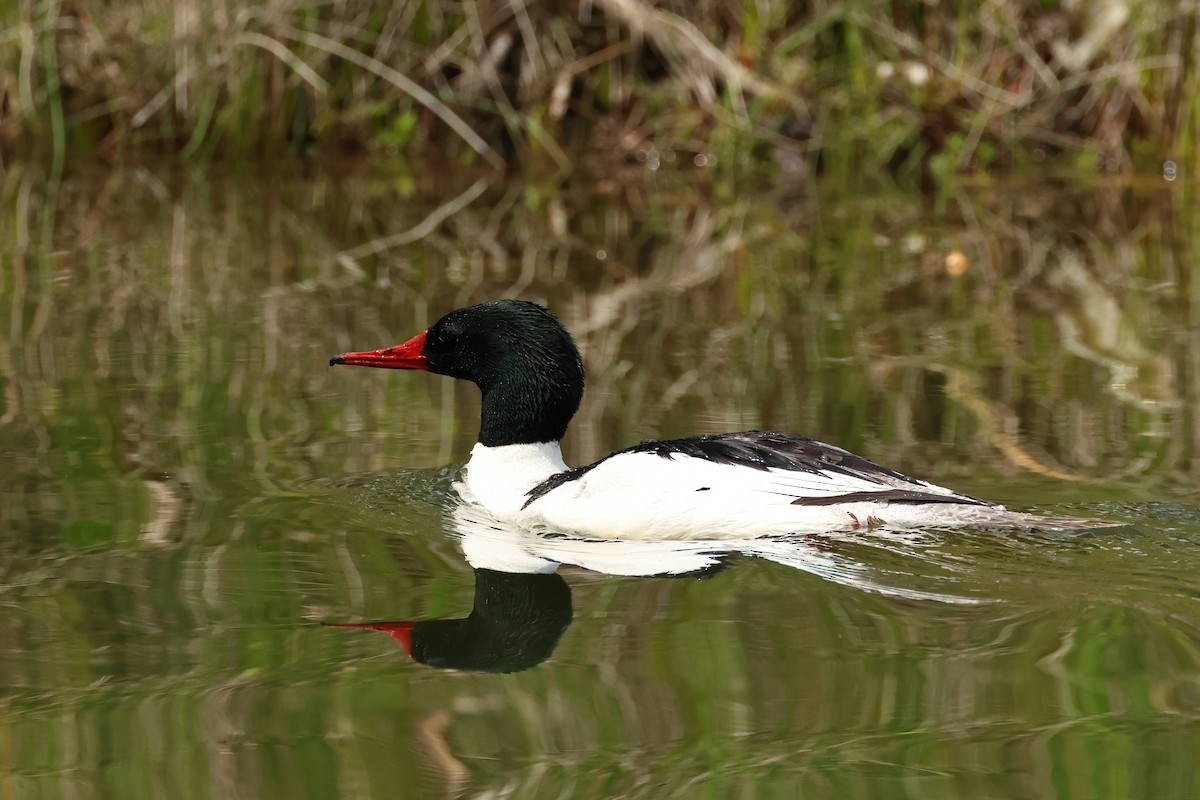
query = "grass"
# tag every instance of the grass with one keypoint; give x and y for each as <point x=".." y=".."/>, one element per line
<point x="941" y="89"/>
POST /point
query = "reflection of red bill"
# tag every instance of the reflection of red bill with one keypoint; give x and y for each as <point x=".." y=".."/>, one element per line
<point x="400" y="631"/>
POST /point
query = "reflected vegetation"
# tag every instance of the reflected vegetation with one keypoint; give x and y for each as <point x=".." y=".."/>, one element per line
<point x="186" y="481"/>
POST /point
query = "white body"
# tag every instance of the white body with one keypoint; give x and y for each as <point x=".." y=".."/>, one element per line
<point x="646" y="496"/>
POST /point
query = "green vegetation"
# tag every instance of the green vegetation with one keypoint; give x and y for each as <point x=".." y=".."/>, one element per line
<point x="951" y="86"/>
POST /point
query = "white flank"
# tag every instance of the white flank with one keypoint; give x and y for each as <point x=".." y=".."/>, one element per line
<point x="644" y="496"/>
<point x="647" y="496"/>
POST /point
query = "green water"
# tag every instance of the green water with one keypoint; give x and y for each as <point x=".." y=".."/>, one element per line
<point x="187" y="490"/>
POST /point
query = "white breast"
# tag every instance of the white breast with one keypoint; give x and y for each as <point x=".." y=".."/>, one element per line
<point x="498" y="478"/>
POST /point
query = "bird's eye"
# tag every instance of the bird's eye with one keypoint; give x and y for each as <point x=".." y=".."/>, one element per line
<point x="448" y="332"/>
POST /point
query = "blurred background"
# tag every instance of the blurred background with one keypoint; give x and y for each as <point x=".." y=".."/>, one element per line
<point x="855" y="87"/>
<point x="957" y="239"/>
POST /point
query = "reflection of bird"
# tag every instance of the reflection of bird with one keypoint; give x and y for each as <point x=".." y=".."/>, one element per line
<point x="515" y="624"/>
<point x="522" y="606"/>
<point x="530" y="374"/>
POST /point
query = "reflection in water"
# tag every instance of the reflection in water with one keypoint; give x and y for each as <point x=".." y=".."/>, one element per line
<point x="515" y="623"/>
<point x="163" y="416"/>
<point x="487" y="541"/>
<point x="522" y="605"/>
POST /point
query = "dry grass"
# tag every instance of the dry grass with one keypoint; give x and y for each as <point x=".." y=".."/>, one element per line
<point x="956" y="86"/>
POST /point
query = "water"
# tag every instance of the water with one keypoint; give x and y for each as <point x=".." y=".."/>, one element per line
<point x="189" y="492"/>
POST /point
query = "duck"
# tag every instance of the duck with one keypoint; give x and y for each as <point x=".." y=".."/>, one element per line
<point x="745" y="484"/>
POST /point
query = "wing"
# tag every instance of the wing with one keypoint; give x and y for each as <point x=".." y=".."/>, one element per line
<point x="808" y="472"/>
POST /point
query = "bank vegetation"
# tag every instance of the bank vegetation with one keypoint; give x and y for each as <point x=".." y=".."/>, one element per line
<point x="1109" y="85"/>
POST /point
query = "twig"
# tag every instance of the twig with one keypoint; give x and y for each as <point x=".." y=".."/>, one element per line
<point x="525" y="26"/>
<point x="25" y="71"/>
<point x="419" y="231"/>
<point x="963" y="387"/>
<point x="678" y="36"/>
<point x="404" y="84"/>
<point x="158" y="101"/>
<point x="597" y="58"/>
<point x="280" y="51"/>
<point x="1117" y="70"/>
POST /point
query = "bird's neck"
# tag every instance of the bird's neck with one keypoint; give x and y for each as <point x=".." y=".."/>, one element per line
<point x="528" y="409"/>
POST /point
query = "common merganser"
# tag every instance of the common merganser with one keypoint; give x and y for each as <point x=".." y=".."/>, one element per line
<point x="753" y="483"/>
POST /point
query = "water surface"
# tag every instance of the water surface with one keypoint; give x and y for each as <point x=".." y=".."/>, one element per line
<point x="189" y="491"/>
